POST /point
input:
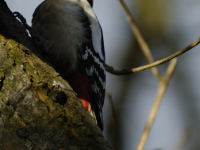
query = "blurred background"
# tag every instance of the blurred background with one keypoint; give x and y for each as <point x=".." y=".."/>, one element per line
<point x="167" y="26"/>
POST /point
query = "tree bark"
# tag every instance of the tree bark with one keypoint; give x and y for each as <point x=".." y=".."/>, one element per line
<point x="38" y="109"/>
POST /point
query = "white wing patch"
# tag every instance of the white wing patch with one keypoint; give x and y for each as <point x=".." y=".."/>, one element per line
<point x="85" y="56"/>
<point x="95" y="88"/>
<point x="96" y="30"/>
<point x="92" y="70"/>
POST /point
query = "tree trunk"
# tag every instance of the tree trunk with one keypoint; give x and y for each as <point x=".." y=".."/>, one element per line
<point x="38" y="109"/>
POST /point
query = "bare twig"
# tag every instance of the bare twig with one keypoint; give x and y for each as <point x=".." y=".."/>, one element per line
<point x="162" y="88"/>
<point x="111" y="103"/>
<point x="112" y="122"/>
<point x="144" y="47"/>
<point x="158" y="62"/>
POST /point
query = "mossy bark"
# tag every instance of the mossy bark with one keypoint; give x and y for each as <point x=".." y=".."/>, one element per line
<point x="38" y="109"/>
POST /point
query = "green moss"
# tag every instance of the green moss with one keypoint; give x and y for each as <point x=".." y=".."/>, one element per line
<point x="29" y="145"/>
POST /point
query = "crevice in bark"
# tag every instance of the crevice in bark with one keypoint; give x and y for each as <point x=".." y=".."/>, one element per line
<point x="1" y="81"/>
<point x="14" y="64"/>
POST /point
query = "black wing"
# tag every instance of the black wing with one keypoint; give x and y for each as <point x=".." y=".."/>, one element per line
<point x="91" y="64"/>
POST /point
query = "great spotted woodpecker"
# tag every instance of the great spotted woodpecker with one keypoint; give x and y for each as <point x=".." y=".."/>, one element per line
<point x="74" y="44"/>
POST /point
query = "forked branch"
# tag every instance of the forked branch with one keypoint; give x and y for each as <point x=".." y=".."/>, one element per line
<point x="152" y="115"/>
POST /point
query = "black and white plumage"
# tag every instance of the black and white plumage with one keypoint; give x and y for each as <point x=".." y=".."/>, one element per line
<point x="74" y="44"/>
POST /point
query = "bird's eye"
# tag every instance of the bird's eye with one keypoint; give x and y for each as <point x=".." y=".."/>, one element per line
<point x="91" y="2"/>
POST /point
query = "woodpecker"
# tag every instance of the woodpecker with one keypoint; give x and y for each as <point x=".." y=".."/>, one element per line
<point x="73" y="41"/>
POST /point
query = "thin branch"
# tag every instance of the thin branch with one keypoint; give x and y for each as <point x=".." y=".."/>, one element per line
<point x="162" y="88"/>
<point x="158" y="62"/>
<point x="110" y="99"/>
<point x="143" y="45"/>
<point x="112" y="121"/>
